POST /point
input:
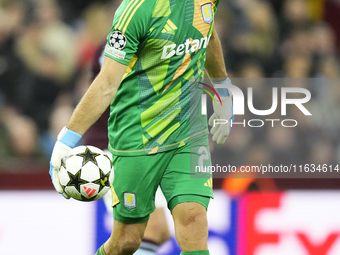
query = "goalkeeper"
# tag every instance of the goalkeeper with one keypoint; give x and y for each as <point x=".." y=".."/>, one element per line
<point x="157" y="231"/>
<point x="152" y="75"/>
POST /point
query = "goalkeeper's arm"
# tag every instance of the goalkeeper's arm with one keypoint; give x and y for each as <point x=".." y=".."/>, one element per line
<point x="98" y="97"/>
<point x="214" y="64"/>
<point x="95" y="101"/>
<point x="217" y="73"/>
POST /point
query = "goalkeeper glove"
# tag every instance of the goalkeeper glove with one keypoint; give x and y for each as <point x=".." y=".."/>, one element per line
<point x="223" y="113"/>
<point x="66" y="140"/>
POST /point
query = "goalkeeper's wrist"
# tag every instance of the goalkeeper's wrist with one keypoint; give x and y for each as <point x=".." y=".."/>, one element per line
<point x="223" y="92"/>
<point x="69" y="137"/>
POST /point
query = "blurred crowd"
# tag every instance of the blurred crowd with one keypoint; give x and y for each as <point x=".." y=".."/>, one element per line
<point x="289" y="43"/>
<point x="46" y="48"/>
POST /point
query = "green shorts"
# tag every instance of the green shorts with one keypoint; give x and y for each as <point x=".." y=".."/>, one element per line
<point x="137" y="178"/>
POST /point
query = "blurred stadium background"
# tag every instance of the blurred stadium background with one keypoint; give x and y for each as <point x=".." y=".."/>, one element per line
<point x="46" y="48"/>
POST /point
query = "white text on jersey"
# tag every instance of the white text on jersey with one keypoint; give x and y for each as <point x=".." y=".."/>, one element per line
<point x="187" y="47"/>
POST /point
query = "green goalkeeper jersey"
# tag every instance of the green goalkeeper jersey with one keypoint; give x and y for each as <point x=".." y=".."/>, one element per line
<point x="158" y="103"/>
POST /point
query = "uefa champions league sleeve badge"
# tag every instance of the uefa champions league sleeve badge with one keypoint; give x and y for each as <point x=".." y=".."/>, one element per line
<point x="117" y="40"/>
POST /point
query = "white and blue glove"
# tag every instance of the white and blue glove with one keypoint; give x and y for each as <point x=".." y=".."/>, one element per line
<point x="66" y="140"/>
<point x="223" y="114"/>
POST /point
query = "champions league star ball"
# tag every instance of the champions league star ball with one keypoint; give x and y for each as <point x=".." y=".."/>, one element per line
<point x="85" y="173"/>
<point x="117" y="40"/>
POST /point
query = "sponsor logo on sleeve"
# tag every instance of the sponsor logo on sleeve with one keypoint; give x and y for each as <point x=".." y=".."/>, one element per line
<point x="114" y="52"/>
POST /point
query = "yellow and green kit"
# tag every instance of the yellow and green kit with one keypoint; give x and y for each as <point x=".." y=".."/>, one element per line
<point x="157" y="108"/>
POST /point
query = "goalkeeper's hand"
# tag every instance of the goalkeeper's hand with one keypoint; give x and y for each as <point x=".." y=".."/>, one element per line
<point x="66" y="140"/>
<point x="223" y="114"/>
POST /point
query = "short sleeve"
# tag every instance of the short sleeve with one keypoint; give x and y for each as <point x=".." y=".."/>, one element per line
<point x="130" y="25"/>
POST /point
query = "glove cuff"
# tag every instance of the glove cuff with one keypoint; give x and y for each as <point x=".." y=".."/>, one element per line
<point x="223" y="92"/>
<point x="69" y="137"/>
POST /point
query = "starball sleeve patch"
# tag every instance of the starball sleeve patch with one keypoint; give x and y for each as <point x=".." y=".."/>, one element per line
<point x="117" y="40"/>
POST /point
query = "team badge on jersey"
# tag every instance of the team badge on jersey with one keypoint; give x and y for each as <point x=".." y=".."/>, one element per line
<point x="207" y="13"/>
<point x="117" y="40"/>
<point x="129" y="200"/>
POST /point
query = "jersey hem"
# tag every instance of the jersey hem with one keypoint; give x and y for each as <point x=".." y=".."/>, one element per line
<point x="147" y="151"/>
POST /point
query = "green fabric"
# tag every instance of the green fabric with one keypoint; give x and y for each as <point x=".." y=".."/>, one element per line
<point x="189" y="198"/>
<point x="195" y="252"/>
<point x="137" y="179"/>
<point x="158" y="104"/>
<point x="101" y="251"/>
<point x="128" y="220"/>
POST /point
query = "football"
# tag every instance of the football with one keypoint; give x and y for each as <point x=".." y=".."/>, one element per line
<point x="85" y="173"/>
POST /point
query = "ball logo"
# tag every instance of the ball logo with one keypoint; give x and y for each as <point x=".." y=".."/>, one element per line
<point x="117" y="40"/>
<point x="89" y="191"/>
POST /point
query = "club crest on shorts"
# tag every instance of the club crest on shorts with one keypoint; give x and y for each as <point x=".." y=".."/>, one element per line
<point x="117" y="40"/>
<point x="129" y="200"/>
<point x="207" y="13"/>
